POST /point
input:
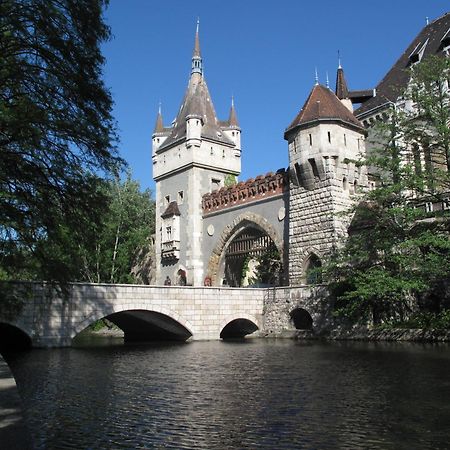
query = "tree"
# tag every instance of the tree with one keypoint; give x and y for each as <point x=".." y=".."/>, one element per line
<point x="396" y="260"/>
<point x="123" y="240"/>
<point x="57" y="134"/>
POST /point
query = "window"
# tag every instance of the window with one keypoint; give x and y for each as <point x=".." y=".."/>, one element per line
<point x="345" y="140"/>
<point x="428" y="207"/>
<point x="212" y="151"/>
<point x="180" y="197"/>
<point x="345" y="184"/>
<point x="313" y="165"/>
<point x="310" y="139"/>
<point x="168" y="233"/>
<point x="215" y="183"/>
<point x="167" y="199"/>
<point x="223" y="153"/>
<point x="329" y="137"/>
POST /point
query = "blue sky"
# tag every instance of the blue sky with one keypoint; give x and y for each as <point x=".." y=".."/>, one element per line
<point x="262" y="52"/>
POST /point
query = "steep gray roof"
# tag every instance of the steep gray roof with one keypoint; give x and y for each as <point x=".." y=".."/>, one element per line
<point x="197" y="102"/>
<point x="431" y="40"/>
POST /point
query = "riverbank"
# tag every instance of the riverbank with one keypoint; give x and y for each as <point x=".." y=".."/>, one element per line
<point x="394" y="334"/>
<point x="13" y="431"/>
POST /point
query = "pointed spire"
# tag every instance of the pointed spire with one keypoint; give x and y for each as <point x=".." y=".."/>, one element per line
<point x="341" y="85"/>
<point x="328" y="81"/>
<point x="339" y="60"/>
<point x="316" y="78"/>
<point x="196" y="55"/>
<point x="159" y="127"/>
<point x="232" y="119"/>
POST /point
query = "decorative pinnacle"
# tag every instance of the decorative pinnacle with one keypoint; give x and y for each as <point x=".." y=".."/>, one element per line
<point x="328" y="81"/>
<point x="316" y="78"/>
<point x="197" y="40"/>
<point x="196" y="56"/>
<point x="339" y="60"/>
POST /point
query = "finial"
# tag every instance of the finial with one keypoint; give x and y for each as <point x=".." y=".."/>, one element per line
<point x="428" y="21"/>
<point x="196" y="56"/>
<point x="316" y="78"/>
<point x="232" y="100"/>
<point x="339" y="60"/>
<point x="159" y="107"/>
<point x="328" y="81"/>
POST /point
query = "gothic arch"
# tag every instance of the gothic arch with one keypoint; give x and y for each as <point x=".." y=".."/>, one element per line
<point x="314" y="257"/>
<point x="241" y="222"/>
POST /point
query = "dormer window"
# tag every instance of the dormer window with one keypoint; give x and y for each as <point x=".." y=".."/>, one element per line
<point x="445" y="42"/>
<point x="417" y="54"/>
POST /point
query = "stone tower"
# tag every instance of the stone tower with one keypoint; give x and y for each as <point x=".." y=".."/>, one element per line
<point x="190" y="158"/>
<point x="324" y="141"/>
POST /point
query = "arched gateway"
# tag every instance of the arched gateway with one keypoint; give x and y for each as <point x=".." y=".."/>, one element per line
<point x="249" y="235"/>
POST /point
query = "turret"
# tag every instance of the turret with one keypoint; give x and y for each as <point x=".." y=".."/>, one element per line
<point x="194" y="123"/>
<point x="232" y="128"/>
<point x="159" y="134"/>
<point x="322" y="136"/>
<point x="342" y="92"/>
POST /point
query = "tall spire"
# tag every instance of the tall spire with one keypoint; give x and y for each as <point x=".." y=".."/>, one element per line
<point x="196" y="56"/>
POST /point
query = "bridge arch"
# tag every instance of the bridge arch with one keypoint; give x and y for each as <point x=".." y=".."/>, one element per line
<point x="246" y="220"/>
<point x="238" y="325"/>
<point x="13" y="337"/>
<point x="141" y="323"/>
<point x="301" y="319"/>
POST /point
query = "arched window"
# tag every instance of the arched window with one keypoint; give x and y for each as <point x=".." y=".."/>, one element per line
<point x="345" y="184"/>
<point x="312" y="271"/>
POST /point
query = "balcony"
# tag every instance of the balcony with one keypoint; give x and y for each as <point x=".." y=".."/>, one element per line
<point x="170" y="250"/>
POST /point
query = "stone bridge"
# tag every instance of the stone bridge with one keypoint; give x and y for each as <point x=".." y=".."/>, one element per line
<point x="49" y="318"/>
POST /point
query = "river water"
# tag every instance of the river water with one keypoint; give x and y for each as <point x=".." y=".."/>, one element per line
<point x="256" y="393"/>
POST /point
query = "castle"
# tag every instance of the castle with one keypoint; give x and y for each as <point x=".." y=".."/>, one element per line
<point x="208" y="230"/>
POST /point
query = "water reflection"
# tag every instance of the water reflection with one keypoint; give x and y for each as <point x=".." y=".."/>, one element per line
<point x="250" y="394"/>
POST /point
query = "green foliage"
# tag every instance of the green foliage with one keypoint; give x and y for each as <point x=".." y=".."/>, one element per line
<point x="269" y="270"/>
<point x="126" y="229"/>
<point x="230" y="180"/>
<point x="57" y="134"/>
<point x="397" y="257"/>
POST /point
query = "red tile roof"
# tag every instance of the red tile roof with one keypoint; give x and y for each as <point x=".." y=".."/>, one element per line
<point x="323" y="105"/>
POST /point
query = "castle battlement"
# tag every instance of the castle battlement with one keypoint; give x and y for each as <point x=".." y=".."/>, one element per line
<point x="249" y="191"/>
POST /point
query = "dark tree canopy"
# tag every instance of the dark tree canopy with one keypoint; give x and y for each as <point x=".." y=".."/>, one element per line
<point x="57" y="134"/>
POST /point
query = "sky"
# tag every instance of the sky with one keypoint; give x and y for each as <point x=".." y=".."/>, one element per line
<point x="263" y="53"/>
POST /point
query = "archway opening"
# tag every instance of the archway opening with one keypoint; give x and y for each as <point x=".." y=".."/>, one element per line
<point x="313" y="270"/>
<point x="238" y="328"/>
<point x="145" y="326"/>
<point x="13" y="339"/>
<point x="252" y="259"/>
<point x="302" y="319"/>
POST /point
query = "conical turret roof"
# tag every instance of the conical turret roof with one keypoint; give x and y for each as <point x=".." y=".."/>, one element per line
<point x="159" y="127"/>
<point x="323" y="106"/>
<point x="232" y="119"/>
<point x="341" y="84"/>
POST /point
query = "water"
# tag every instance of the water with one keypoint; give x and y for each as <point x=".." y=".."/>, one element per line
<point x="232" y="395"/>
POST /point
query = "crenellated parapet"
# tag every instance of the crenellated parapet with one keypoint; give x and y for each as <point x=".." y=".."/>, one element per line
<point x="249" y="191"/>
